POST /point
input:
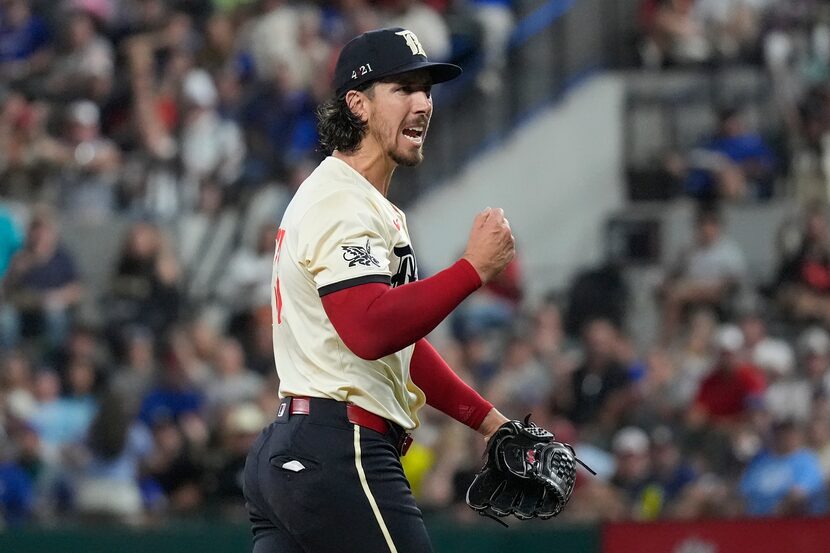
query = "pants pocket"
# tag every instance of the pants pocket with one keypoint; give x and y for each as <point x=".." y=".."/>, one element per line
<point x="299" y="491"/>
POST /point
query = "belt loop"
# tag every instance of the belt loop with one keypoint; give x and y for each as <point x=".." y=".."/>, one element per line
<point x="404" y="443"/>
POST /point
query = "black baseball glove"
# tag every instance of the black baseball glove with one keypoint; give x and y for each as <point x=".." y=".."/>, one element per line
<point x="527" y="473"/>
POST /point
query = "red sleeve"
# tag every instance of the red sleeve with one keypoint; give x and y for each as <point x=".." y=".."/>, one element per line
<point x="444" y="389"/>
<point x="375" y="320"/>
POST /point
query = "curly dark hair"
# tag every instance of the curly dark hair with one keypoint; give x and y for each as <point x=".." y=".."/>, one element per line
<point x="339" y="128"/>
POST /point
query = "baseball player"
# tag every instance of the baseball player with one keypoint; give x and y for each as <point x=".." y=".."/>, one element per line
<point x="350" y="316"/>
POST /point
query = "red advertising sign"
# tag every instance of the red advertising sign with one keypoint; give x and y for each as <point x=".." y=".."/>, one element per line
<point x="807" y="535"/>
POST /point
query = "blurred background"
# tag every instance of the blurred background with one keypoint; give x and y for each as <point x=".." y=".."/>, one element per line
<point x="665" y="165"/>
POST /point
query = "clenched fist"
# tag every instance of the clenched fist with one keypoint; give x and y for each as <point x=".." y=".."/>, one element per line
<point x="491" y="245"/>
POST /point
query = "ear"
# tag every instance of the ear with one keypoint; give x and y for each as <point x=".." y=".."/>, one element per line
<point x="357" y="103"/>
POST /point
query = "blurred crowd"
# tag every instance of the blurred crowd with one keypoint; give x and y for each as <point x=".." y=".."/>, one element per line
<point x="191" y="122"/>
<point x="783" y="130"/>
<point x="132" y="384"/>
<point x="724" y="412"/>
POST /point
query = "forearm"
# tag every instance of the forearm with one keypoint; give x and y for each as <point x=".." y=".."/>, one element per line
<point x="374" y="320"/>
<point x="445" y="390"/>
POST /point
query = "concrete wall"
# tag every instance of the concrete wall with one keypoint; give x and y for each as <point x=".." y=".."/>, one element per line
<point x="556" y="177"/>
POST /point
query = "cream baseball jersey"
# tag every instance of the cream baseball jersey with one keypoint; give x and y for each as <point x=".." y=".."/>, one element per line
<point x="339" y="231"/>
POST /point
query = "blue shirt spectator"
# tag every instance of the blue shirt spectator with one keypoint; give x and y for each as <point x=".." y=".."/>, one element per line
<point x="21" y="33"/>
<point x="16" y="494"/>
<point x="64" y="420"/>
<point x="784" y="480"/>
<point x="735" y="162"/>
<point x="175" y="396"/>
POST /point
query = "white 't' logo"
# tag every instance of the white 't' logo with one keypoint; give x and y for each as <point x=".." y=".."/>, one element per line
<point x="413" y="42"/>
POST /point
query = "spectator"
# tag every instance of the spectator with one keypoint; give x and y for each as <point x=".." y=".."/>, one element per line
<point x="523" y="384"/>
<point x="107" y="485"/>
<point x="733" y="25"/>
<point x="818" y="438"/>
<point x="59" y="422"/>
<point x="786" y="479"/>
<point x="814" y="352"/>
<point x="234" y="383"/>
<point x="491" y="308"/>
<point x="205" y="241"/>
<point x="280" y="124"/>
<point x="734" y="164"/>
<point x="212" y="147"/>
<point x="24" y="41"/>
<point x="550" y="345"/>
<point x="16" y="495"/>
<point x="600" y="388"/>
<point x="136" y="375"/>
<point x="86" y="68"/>
<point x="660" y="390"/>
<point x="84" y="343"/>
<point x="174" y="397"/>
<point x="672" y="474"/>
<point x="177" y="463"/>
<point x="144" y="289"/>
<point x="10" y="239"/>
<point x="732" y="388"/>
<point x="89" y="163"/>
<point x="42" y="286"/>
<point x="803" y="282"/>
<point x="274" y="36"/>
<point x="220" y="49"/>
<point x="674" y="34"/>
<point x="27" y="149"/>
<point x="244" y="287"/>
<point x="497" y="23"/>
<point x="788" y="395"/>
<point x="416" y="16"/>
<point x="241" y="427"/>
<point x="16" y="386"/>
<point x="694" y="357"/>
<point x="753" y="324"/>
<point x="596" y="293"/>
<point x="708" y="273"/>
<point x="194" y="358"/>
<point x="633" y="470"/>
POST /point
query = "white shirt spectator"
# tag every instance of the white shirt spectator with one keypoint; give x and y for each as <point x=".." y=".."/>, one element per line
<point x="721" y="259"/>
<point x="427" y="24"/>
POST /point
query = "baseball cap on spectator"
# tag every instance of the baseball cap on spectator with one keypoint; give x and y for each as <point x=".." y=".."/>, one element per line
<point x="84" y="112"/>
<point x="246" y="418"/>
<point x="630" y="440"/>
<point x="775" y="357"/>
<point x="382" y="53"/>
<point x="814" y="341"/>
<point x="198" y="88"/>
<point x="729" y="338"/>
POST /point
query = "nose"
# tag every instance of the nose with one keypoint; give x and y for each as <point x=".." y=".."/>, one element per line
<point x="422" y="103"/>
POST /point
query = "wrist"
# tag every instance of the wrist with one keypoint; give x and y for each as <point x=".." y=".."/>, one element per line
<point x="492" y="421"/>
<point x="474" y="272"/>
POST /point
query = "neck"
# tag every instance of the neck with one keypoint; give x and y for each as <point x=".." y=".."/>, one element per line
<point x="370" y="161"/>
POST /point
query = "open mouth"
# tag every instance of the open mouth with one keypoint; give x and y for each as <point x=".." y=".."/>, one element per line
<point x="414" y="135"/>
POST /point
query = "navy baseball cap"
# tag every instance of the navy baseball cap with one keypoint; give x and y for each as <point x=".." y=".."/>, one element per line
<point x="381" y="53"/>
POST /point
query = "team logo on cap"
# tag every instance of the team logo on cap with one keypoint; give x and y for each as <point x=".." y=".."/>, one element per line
<point x="413" y="43"/>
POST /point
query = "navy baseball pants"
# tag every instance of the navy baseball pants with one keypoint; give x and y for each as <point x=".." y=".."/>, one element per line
<point x="317" y="483"/>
